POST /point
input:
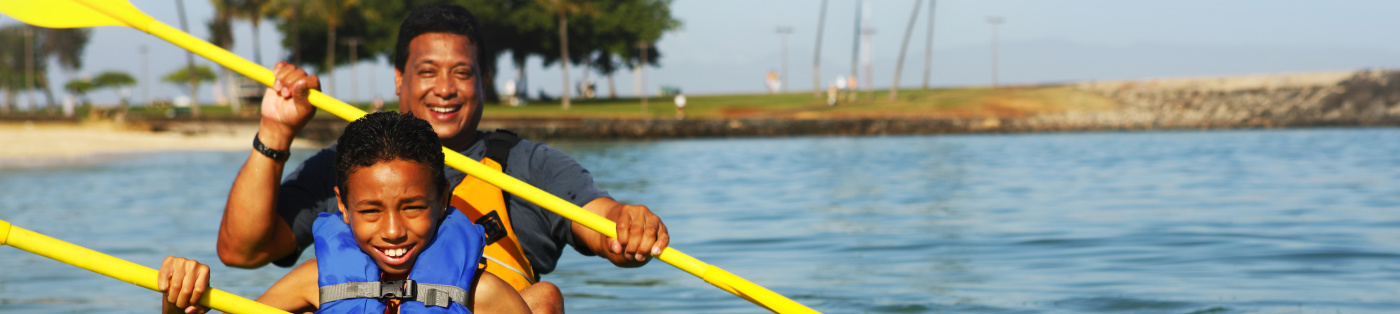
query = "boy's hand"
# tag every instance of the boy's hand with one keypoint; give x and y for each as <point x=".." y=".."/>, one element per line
<point x="182" y="282"/>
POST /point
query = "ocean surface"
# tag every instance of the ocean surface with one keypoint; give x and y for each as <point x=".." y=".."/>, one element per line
<point x="1256" y="221"/>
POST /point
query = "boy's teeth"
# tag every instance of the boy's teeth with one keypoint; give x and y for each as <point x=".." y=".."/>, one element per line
<point x="443" y="109"/>
<point x="395" y="252"/>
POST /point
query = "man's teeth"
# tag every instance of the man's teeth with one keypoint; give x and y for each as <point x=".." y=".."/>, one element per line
<point x="445" y="109"/>
<point x="396" y="252"/>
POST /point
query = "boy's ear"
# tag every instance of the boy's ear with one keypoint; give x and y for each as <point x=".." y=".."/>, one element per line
<point x="340" y="203"/>
<point x="446" y="201"/>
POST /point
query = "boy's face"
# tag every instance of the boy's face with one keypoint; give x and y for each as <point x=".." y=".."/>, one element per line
<point x="393" y="209"/>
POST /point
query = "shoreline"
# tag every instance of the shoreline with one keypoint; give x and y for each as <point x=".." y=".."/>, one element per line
<point x="30" y="144"/>
<point x="1369" y="98"/>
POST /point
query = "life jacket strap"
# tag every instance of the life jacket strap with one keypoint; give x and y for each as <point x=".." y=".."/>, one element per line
<point x="406" y="290"/>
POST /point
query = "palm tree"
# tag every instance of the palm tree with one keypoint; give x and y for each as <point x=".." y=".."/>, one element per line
<point x="290" y="11"/>
<point x="189" y="62"/>
<point x="913" y="17"/>
<point x="333" y="13"/>
<point x="252" y="11"/>
<point x="221" y="34"/>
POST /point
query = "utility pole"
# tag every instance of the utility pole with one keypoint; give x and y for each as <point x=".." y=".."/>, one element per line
<point x="564" y="58"/>
<point x="817" y="57"/>
<point x="643" y="66"/>
<point x="145" y="76"/>
<point x="29" y="67"/>
<point x="354" y="43"/>
<point x="189" y="63"/>
<point x="783" y="31"/>
<point x="867" y="48"/>
<point x="855" y="53"/>
<point x="903" y="47"/>
<point x="928" y="45"/>
<point x="995" y="21"/>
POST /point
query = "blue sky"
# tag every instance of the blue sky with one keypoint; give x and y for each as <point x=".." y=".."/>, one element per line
<point x="727" y="46"/>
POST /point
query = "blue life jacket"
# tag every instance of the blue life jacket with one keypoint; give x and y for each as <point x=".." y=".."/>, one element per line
<point x="450" y="260"/>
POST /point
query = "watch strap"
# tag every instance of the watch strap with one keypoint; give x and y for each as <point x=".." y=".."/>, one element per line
<point x="278" y="155"/>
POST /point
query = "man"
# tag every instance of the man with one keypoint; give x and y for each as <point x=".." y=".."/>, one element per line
<point x="437" y="79"/>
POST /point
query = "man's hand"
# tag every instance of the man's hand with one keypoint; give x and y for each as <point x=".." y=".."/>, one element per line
<point x="640" y="233"/>
<point x="285" y="107"/>
<point x="181" y="283"/>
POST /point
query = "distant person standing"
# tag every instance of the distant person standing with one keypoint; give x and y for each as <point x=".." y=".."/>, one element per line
<point x="680" y="107"/>
<point x="831" y="94"/>
<point x="509" y="89"/>
<point x="773" y="82"/>
<point x="841" y="86"/>
<point x="851" y="88"/>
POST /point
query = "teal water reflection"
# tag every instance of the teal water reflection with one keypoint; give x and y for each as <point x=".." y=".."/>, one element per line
<point x="1152" y="222"/>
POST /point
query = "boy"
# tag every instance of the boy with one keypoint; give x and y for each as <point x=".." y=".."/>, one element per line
<point x="392" y="195"/>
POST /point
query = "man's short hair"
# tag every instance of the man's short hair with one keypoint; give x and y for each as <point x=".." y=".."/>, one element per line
<point x="388" y="136"/>
<point x="436" y="18"/>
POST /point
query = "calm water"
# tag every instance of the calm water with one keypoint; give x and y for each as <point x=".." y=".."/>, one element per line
<point x="1292" y="221"/>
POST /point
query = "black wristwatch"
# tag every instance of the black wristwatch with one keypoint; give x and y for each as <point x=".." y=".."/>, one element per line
<point x="278" y="155"/>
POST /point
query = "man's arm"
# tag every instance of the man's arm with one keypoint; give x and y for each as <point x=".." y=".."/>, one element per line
<point x="640" y="233"/>
<point x="252" y="234"/>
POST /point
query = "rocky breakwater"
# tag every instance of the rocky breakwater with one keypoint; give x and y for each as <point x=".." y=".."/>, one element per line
<point x="1364" y="98"/>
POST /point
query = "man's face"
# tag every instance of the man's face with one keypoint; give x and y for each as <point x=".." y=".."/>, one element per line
<point x="392" y="210"/>
<point x="439" y="83"/>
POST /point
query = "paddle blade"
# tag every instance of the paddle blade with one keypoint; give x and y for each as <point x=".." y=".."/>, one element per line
<point x="66" y="13"/>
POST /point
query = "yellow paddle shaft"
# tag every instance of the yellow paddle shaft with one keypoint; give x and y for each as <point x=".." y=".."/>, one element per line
<point x="711" y="274"/>
<point x="718" y="277"/>
<point x="120" y="269"/>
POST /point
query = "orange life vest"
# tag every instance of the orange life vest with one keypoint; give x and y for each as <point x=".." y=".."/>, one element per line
<point x="485" y="205"/>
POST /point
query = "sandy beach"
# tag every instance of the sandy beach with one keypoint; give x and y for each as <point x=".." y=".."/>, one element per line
<point x="38" y="144"/>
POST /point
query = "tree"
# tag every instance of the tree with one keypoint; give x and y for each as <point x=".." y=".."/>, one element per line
<point x="202" y="74"/>
<point x="118" y="81"/>
<point x="251" y="11"/>
<point x="903" y="47"/>
<point x="79" y="88"/>
<point x="26" y="49"/>
<point x="563" y="9"/>
<point x="524" y="28"/>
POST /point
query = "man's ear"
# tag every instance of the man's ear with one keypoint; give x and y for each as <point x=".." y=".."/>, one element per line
<point x="340" y="203"/>
<point x="398" y="80"/>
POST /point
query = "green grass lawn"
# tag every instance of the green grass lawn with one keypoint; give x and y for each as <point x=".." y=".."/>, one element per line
<point x="914" y="103"/>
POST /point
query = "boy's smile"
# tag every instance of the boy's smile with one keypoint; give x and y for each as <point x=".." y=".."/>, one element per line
<point x="393" y="212"/>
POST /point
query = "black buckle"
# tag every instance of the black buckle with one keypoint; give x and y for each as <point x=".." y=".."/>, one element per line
<point x="406" y="289"/>
<point x="494" y="229"/>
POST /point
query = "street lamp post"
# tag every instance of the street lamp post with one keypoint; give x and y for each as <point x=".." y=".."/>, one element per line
<point x="784" y="31"/>
<point x="995" y="21"/>
<point x="817" y="56"/>
<point x="354" y="44"/>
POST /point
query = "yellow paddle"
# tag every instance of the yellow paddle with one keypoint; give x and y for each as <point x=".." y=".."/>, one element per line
<point x="92" y="13"/>
<point x="120" y="269"/>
